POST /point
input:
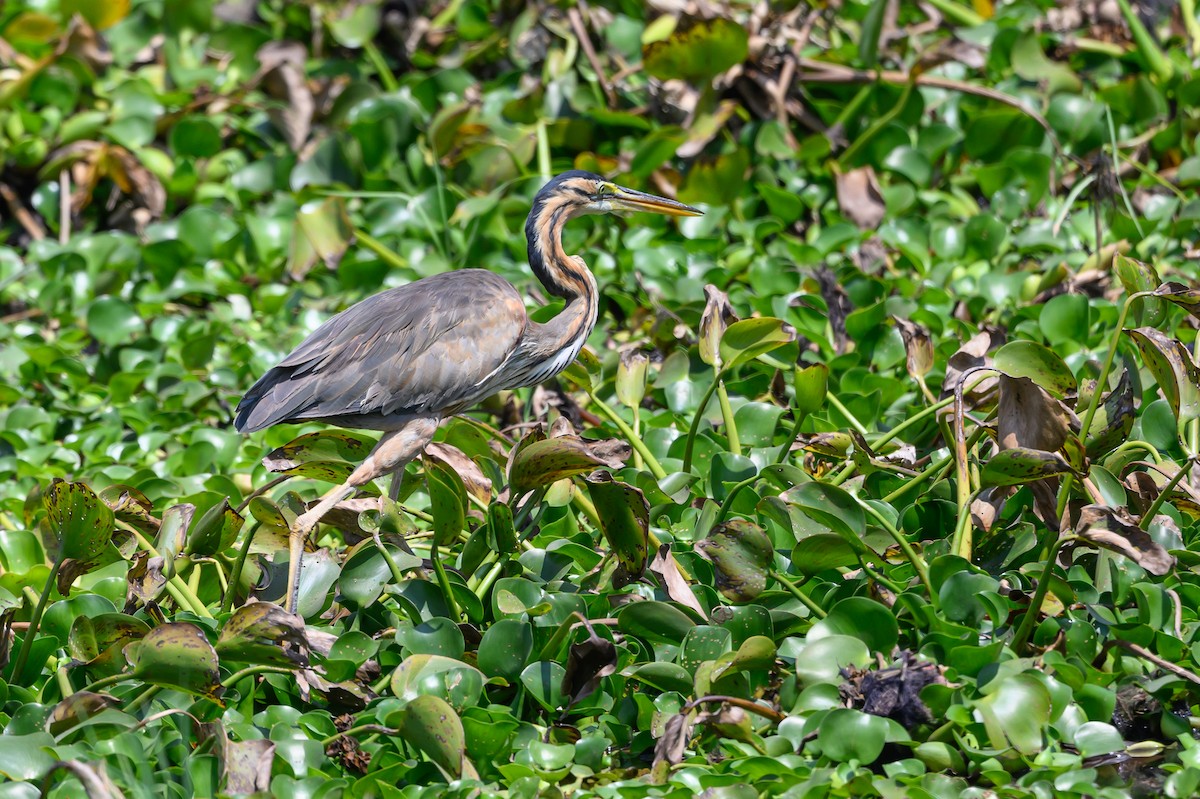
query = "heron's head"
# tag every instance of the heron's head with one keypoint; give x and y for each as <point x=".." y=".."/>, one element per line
<point x="578" y="192"/>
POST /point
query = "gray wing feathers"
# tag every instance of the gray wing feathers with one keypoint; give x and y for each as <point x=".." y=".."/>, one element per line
<point x="420" y="348"/>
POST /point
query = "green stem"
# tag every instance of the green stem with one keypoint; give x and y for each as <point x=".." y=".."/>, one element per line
<point x="959" y="14"/>
<point x="104" y="682"/>
<point x="141" y="699"/>
<point x="585" y="505"/>
<point x="193" y="582"/>
<point x="931" y="470"/>
<point x="918" y="563"/>
<point x="694" y="430"/>
<point x="34" y="621"/>
<point x="844" y="411"/>
<point x="1085" y="425"/>
<point x="1035" y="603"/>
<point x="376" y="246"/>
<point x="1145" y="446"/>
<point x="731" y="496"/>
<point x="235" y="577"/>
<point x="880" y="578"/>
<point x="1187" y="9"/>
<point x="882" y="122"/>
<point x="485" y="584"/>
<point x="795" y="591"/>
<point x="64" y="682"/>
<point x="964" y="541"/>
<point x="886" y="437"/>
<point x="1158" y="62"/>
<point x="911" y="421"/>
<point x="251" y="671"/>
<point x="634" y="441"/>
<point x="377" y="729"/>
<point x="397" y="575"/>
<point x="787" y="445"/>
<point x="638" y="460"/>
<point x="735" y="445"/>
<point x="444" y="581"/>
<point x="381" y="68"/>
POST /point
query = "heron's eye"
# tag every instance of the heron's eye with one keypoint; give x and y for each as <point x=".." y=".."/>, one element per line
<point x="605" y="189"/>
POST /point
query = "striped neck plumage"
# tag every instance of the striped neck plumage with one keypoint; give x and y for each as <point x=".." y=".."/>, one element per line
<point x="562" y="275"/>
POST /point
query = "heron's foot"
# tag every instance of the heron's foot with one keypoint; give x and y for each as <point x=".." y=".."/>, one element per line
<point x="305" y="524"/>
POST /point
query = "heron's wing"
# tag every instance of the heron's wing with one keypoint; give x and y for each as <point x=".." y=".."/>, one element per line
<point x="421" y="348"/>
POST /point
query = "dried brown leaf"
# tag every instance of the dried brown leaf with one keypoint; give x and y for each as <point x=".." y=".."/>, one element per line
<point x="1029" y="417"/>
<point x="972" y="355"/>
<point x="588" y="662"/>
<point x="918" y="347"/>
<point x="860" y="198"/>
<point x="677" y="587"/>
<point x="1116" y="530"/>
<point x="282" y="77"/>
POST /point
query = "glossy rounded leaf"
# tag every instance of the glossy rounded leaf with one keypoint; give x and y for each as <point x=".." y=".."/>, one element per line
<point x="657" y="622"/>
<point x="431" y="725"/>
<point x="830" y="506"/>
<point x="458" y="683"/>
<point x="112" y="321"/>
<point x="1015" y="712"/>
<point x="505" y="648"/>
<point x="862" y="618"/>
<point x="544" y="683"/>
<point x="821" y="552"/>
<point x="847" y="735"/>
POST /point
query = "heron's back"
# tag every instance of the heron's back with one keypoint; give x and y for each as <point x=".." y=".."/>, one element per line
<point x="428" y="347"/>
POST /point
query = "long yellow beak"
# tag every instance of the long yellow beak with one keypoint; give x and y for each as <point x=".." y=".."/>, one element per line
<point x="632" y="200"/>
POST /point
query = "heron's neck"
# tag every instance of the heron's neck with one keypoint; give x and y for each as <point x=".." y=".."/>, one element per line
<point x="563" y="276"/>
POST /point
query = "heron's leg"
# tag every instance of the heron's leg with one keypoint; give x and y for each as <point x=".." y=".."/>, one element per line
<point x="397" y="482"/>
<point x="393" y="451"/>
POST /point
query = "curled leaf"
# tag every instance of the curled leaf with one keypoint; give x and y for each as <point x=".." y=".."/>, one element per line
<point x="473" y="479"/>
<point x="667" y="570"/>
<point x="177" y="655"/>
<point x="264" y="633"/>
<point x="1029" y="417"/>
<point x="1114" y="419"/>
<point x="327" y="455"/>
<point x="718" y="315"/>
<point x="1116" y="530"/>
<point x="541" y="463"/>
<point x="1171" y="364"/>
<point x="1187" y="298"/>
<point x="624" y="519"/>
<point x="971" y="355"/>
<point x="631" y="377"/>
<point x="1021" y="465"/>
<point x="588" y="662"/>
<point x="918" y="347"/>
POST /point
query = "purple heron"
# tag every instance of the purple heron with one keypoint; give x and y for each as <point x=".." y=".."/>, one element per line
<point x="406" y="358"/>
